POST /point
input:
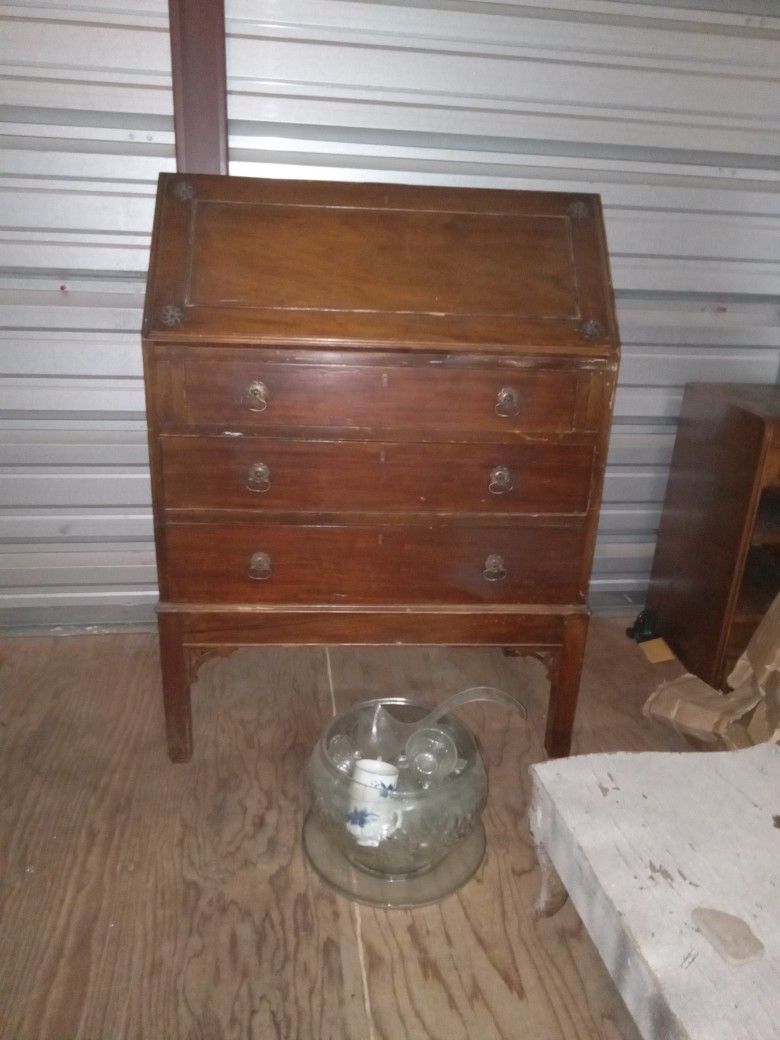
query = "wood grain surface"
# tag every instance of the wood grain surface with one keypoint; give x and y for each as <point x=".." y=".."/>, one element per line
<point x="368" y="263"/>
<point x="708" y="587"/>
<point x="479" y="964"/>
<point x="433" y="563"/>
<point x="383" y="344"/>
<point x="146" y="900"/>
<point x="413" y="396"/>
<point x="327" y="476"/>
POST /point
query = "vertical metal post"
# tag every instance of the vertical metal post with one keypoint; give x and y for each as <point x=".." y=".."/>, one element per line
<point x="197" y="29"/>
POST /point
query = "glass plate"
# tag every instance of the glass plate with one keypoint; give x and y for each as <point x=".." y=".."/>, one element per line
<point x="392" y="892"/>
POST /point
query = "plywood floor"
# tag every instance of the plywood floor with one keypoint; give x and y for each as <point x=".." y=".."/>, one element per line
<point x="158" y="902"/>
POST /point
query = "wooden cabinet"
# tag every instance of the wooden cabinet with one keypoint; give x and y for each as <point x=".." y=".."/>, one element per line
<point x="377" y="414"/>
<point x="717" y="562"/>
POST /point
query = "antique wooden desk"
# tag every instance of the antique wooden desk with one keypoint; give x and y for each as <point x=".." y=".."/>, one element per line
<point x="377" y="414"/>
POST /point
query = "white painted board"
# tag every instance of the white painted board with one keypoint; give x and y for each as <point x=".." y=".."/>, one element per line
<point x="642" y="843"/>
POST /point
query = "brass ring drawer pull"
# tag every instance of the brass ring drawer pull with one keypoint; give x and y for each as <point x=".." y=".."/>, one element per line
<point x="256" y="396"/>
<point x="259" y="566"/>
<point x="259" y="478"/>
<point x="501" y="481"/>
<point x="495" y="568"/>
<point x="507" y="402"/>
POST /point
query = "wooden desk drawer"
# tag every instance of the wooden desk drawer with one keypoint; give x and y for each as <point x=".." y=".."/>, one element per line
<point x="246" y="563"/>
<point x="424" y="396"/>
<point x="332" y="476"/>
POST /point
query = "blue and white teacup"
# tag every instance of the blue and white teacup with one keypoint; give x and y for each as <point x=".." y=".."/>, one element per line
<point x="372" y="815"/>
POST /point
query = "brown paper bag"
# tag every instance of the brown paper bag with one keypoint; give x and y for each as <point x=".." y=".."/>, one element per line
<point x="696" y="710"/>
<point x="761" y="658"/>
<point x="748" y="715"/>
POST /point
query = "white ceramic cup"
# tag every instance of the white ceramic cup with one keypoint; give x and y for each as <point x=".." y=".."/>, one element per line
<point x="371" y="814"/>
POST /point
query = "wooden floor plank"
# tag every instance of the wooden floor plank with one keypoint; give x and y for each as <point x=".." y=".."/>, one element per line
<point x="145" y="900"/>
<point x="617" y="680"/>
<point x="166" y="901"/>
<point x="479" y="964"/>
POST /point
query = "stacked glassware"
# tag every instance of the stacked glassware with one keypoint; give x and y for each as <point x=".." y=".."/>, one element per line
<point x="396" y="793"/>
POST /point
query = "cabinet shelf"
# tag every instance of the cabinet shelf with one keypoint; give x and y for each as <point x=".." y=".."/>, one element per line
<point x="760" y="584"/>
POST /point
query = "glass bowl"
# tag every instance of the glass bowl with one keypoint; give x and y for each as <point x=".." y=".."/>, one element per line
<point x="386" y="821"/>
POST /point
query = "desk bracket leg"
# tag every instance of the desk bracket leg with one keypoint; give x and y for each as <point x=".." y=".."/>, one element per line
<point x="176" y="687"/>
<point x="565" y="675"/>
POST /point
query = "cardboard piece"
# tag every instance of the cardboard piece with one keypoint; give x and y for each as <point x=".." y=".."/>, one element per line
<point x="656" y="650"/>
<point x="748" y="715"/>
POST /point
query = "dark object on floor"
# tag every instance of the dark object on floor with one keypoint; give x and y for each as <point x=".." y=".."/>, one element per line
<point x="645" y="627"/>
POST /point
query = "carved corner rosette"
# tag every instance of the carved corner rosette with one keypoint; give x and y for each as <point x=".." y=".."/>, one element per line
<point x="591" y="330"/>
<point x="171" y="314"/>
<point x="183" y="191"/>
<point x="579" y="209"/>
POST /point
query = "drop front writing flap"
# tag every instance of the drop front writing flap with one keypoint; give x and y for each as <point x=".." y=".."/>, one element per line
<point x="287" y="261"/>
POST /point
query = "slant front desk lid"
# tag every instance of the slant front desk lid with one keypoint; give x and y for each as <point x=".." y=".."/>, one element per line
<point x="244" y="260"/>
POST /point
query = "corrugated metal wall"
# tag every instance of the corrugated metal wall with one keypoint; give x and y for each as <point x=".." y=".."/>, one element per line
<point x="672" y="113"/>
